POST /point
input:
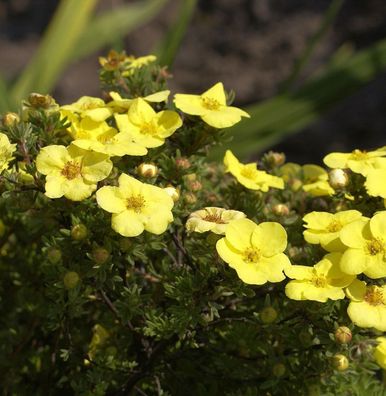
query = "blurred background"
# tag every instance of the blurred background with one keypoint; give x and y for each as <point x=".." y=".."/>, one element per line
<point x="311" y="72"/>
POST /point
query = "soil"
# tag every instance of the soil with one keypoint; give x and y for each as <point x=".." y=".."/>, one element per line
<point x="249" y="45"/>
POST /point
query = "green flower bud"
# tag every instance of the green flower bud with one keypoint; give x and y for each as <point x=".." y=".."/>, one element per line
<point x="340" y="362"/>
<point x="278" y="370"/>
<point x="280" y="210"/>
<point x="268" y="315"/>
<point x="343" y="335"/>
<point x="79" y="232"/>
<point x="125" y="244"/>
<point x="71" y="279"/>
<point x="147" y="170"/>
<point x="54" y="255"/>
<point x="10" y="119"/>
<point x="100" y="255"/>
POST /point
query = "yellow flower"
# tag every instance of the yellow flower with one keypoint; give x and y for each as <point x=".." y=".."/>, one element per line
<point x="120" y="104"/>
<point x="145" y="126"/>
<point x="368" y="305"/>
<point x="211" y="107"/>
<point x="380" y="352"/>
<point x="6" y="151"/>
<point x="321" y="282"/>
<point x="375" y="181"/>
<point x="88" y="106"/>
<point x="136" y="207"/>
<point x="366" y="242"/>
<point x="249" y="176"/>
<point x="255" y="251"/>
<point x="324" y="228"/>
<point x="358" y="161"/>
<point x="315" y="181"/>
<point x="71" y="171"/>
<point x="132" y="63"/>
<point x="212" y="219"/>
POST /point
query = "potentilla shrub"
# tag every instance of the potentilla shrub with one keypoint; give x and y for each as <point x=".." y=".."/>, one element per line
<point x="130" y="265"/>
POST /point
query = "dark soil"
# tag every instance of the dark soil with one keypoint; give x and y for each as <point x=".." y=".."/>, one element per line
<point x="250" y="45"/>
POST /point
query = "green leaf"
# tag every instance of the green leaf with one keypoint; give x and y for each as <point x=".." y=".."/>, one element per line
<point x="107" y="28"/>
<point x="170" y="44"/>
<point x="275" y="118"/>
<point x="55" y="50"/>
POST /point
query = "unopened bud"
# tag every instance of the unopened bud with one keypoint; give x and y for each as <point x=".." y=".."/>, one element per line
<point x="343" y="335"/>
<point x="195" y="185"/>
<point x="280" y="210"/>
<point x="79" y="232"/>
<point x="190" y="198"/>
<point x="147" y="170"/>
<point x="54" y="255"/>
<point x="10" y="119"/>
<point x="268" y="315"/>
<point x="173" y="193"/>
<point x="279" y="369"/>
<point x="183" y="163"/>
<point x="70" y="279"/>
<point x="295" y="184"/>
<point x="190" y="177"/>
<point x="100" y="255"/>
<point x="274" y="159"/>
<point x="338" y="178"/>
<point x="41" y="101"/>
<point x="125" y="244"/>
<point x="340" y="362"/>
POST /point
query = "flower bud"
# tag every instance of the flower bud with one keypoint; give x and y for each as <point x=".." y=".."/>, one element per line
<point x="10" y="119"/>
<point x="268" y="315"/>
<point x="71" y="279"/>
<point x="274" y="159"/>
<point x="183" y="163"/>
<point x="340" y="362"/>
<point x="147" y="170"/>
<point x="343" y="335"/>
<point x="37" y="101"/>
<point x="279" y="369"/>
<point x="54" y="255"/>
<point x="296" y="184"/>
<point x="173" y="193"/>
<point x="280" y="210"/>
<point x="190" y="177"/>
<point x="125" y="244"/>
<point x="79" y="232"/>
<point x="100" y="255"/>
<point x="338" y="178"/>
<point x="190" y="198"/>
<point x="195" y="185"/>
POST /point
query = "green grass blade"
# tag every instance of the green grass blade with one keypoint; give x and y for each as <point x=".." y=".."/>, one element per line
<point x="328" y="19"/>
<point x="109" y="27"/>
<point x="288" y="113"/>
<point x="4" y="104"/>
<point x="55" y="50"/>
<point x="169" y="45"/>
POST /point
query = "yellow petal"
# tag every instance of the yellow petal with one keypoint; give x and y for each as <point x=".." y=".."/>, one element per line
<point x="378" y="225"/>
<point x="270" y="238"/>
<point x="374" y="183"/>
<point x="169" y="122"/>
<point x="140" y="112"/>
<point x="190" y="104"/>
<point x="299" y="272"/>
<point x="51" y="159"/>
<point x="217" y="93"/>
<point x="356" y="291"/>
<point x="353" y="261"/>
<point x="225" y="117"/>
<point x="77" y="190"/>
<point x="366" y="315"/>
<point x="110" y="199"/>
<point x="228" y="253"/>
<point x="127" y="224"/>
<point x="353" y="235"/>
<point x="54" y="186"/>
<point x="239" y="233"/>
<point x="157" y="97"/>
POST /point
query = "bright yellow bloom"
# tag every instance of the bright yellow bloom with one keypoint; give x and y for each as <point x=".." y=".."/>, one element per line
<point x="89" y="107"/>
<point x="321" y="282"/>
<point x="324" y="228"/>
<point x="212" y="219"/>
<point x="145" y="126"/>
<point x="71" y="171"/>
<point x="132" y="63"/>
<point x="211" y="107"/>
<point x="375" y="181"/>
<point x="255" y="251"/>
<point x="315" y="181"/>
<point x="136" y="207"/>
<point x="6" y="151"/>
<point x="366" y="242"/>
<point x="121" y="105"/>
<point x="249" y="176"/>
<point x="380" y="352"/>
<point x="358" y="161"/>
<point x="368" y="305"/>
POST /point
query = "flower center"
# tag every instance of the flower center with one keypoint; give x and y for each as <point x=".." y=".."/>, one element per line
<point x="252" y="255"/>
<point x="136" y="203"/>
<point x="71" y="170"/>
<point x="375" y="246"/>
<point x="374" y="295"/>
<point x="358" y="155"/>
<point x="319" y="281"/>
<point x="148" y="128"/>
<point x="334" y="226"/>
<point x="210" y="103"/>
<point x="249" y="173"/>
<point x="214" y="218"/>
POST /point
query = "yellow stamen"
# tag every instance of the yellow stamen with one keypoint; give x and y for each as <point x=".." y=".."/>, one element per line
<point x="210" y="103"/>
<point x="375" y="246"/>
<point x="136" y="203"/>
<point x="252" y="255"/>
<point x="358" y="155"/>
<point x="71" y="170"/>
<point x="214" y="218"/>
<point x="148" y="128"/>
<point x="319" y="281"/>
<point x="374" y="296"/>
<point x="334" y="226"/>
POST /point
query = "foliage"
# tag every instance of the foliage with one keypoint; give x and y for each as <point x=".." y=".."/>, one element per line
<point x="88" y="311"/>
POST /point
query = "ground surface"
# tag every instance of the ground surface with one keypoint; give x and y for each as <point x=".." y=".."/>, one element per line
<point x="250" y="45"/>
